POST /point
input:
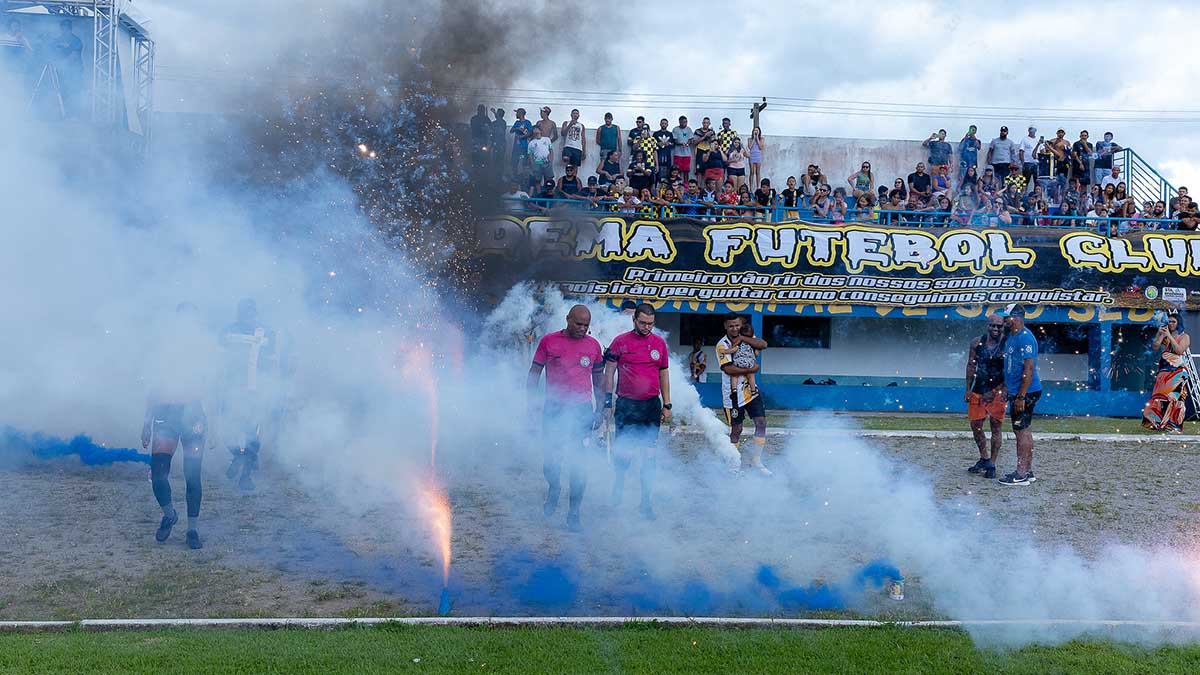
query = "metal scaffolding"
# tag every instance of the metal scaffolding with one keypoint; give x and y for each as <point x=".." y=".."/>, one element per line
<point x="108" y="100"/>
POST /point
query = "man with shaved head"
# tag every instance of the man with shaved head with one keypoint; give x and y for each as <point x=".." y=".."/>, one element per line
<point x="573" y="363"/>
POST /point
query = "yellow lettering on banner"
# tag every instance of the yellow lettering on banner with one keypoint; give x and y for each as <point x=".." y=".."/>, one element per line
<point x="1081" y="314"/>
<point x="758" y="307"/>
<point x="884" y="311"/>
<point x="818" y="309"/>
<point x="1035" y="312"/>
<point x="1140" y="315"/>
<point x="771" y="307"/>
<point x="969" y="311"/>
<point x="914" y="311"/>
<point x="711" y="306"/>
<point x="678" y="304"/>
<point x="1110" y="315"/>
<point x="840" y="309"/>
<point x="737" y="306"/>
<point x="695" y="306"/>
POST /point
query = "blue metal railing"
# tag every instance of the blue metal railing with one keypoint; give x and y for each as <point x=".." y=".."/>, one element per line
<point x="1142" y="181"/>
<point x="1106" y="225"/>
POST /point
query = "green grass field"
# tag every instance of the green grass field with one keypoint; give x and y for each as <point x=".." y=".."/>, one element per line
<point x="630" y="649"/>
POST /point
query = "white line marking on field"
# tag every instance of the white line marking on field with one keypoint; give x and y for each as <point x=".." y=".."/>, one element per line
<point x="574" y="621"/>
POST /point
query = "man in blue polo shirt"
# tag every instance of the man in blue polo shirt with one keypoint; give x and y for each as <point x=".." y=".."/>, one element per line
<point x="1024" y="389"/>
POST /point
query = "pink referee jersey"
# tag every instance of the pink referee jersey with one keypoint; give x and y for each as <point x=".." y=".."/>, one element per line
<point x="638" y="361"/>
<point x="569" y="364"/>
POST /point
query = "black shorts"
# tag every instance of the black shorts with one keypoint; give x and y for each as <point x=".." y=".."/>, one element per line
<point x="572" y="156"/>
<point x="179" y="422"/>
<point x="1023" y="420"/>
<point x="639" y="420"/>
<point x="735" y="172"/>
<point x="754" y="409"/>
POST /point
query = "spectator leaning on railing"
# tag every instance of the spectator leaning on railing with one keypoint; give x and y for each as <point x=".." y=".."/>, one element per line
<point x="1051" y="189"/>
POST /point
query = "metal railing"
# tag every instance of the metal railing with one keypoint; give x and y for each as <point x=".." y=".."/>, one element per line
<point x="1106" y="225"/>
<point x="1142" y="181"/>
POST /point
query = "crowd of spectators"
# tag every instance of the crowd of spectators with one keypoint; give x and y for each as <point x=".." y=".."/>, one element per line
<point x="714" y="173"/>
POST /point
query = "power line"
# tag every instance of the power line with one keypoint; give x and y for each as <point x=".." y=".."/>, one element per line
<point x="736" y="103"/>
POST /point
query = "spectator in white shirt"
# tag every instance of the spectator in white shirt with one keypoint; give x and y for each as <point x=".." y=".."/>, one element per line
<point x="1112" y="178"/>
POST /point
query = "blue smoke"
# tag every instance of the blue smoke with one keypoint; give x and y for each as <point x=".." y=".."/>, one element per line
<point x="16" y="443"/>
<point x="523" y="580"/>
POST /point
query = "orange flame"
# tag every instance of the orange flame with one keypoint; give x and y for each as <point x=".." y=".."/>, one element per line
<point x="436" y="504"/>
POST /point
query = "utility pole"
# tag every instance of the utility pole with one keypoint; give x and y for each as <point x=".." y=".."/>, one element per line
<point x="756" y="109"/>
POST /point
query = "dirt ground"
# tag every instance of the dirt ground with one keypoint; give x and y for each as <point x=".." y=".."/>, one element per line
<point x="77" y="541"/>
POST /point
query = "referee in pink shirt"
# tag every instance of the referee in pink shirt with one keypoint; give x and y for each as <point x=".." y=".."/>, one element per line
<point x="573" y="363"/>
<point x="643" y="400"/>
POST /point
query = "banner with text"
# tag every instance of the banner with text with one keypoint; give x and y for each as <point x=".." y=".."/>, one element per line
<point x="852" y="264"/>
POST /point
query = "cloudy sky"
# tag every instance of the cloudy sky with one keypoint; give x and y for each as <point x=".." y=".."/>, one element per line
<point x="844" y="69"/>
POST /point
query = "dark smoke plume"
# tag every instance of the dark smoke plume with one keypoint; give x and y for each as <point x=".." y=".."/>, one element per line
<point x="377" y="98"/>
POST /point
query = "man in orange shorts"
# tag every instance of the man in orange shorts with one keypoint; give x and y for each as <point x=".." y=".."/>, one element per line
<point x="985" y="395"/>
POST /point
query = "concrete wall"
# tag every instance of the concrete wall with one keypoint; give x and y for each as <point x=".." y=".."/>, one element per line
<point x="889" y="348"/>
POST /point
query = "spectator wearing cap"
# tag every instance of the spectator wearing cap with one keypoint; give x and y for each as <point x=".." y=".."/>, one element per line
<point x="1001" y="154"/>
<point x="594" y="193"/>
<point x="1027" y="151"/>
<point x="574" y="140"/>
<point x="939" y="150"/>
<point x="522" y="131"/>
<point x="546" y="195"/>
<point x="1104" y="155"/>
<point x="681" y="139"/>
<point x="547" y="125"/>
<point x="968" y="151"/>
<point x="569" y="186"/>
<point x="608" y="137"/>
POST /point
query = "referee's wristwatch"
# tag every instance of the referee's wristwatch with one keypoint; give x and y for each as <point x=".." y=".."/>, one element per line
<point x="666" y="406"/>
